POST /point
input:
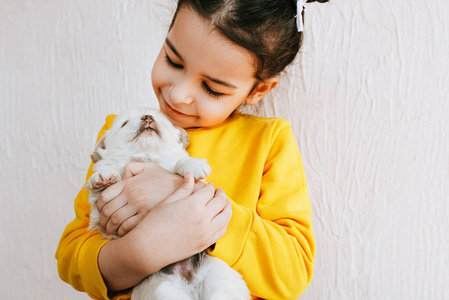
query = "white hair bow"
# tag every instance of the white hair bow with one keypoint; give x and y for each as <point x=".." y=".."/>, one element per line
<point x="299" y="8"/>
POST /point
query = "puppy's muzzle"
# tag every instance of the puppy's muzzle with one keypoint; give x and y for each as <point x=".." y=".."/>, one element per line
<point x="148" y="123"/>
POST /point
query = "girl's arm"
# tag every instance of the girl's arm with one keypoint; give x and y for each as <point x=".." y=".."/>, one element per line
<point x="185" y="223"/>
<point x="126" y="261"/>
<point x="273" y="245"/>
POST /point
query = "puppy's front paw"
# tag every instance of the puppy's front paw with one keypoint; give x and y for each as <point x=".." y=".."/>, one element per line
<point x="103" y="179"/>
<point x="197" y="167"/>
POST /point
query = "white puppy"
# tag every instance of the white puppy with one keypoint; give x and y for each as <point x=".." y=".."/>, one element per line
<point x="146" y="135"/>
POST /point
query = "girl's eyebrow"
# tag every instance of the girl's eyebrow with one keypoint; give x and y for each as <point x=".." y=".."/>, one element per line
<point x="224" y="83"/>
<point x="170" y="45"/>
<point x="221" y="82"/>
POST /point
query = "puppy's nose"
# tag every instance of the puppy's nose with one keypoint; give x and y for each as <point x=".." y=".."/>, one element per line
<point x="148" y="118"/>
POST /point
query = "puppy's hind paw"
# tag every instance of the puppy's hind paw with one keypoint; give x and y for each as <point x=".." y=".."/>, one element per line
<point x="102" y="179"/>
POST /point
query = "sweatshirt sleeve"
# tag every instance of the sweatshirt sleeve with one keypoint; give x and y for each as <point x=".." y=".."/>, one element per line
<point x="78" y="249"/>
<point x="273" y="247"/>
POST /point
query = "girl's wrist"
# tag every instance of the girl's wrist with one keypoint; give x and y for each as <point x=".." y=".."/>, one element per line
<point x="145" y="252"/>
<point x="123" y="263"/>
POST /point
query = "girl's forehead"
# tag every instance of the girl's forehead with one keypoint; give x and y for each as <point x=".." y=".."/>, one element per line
<point x="197" y="42"/>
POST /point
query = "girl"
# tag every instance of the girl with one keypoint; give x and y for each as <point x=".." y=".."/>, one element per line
<point x="217" y="56"/>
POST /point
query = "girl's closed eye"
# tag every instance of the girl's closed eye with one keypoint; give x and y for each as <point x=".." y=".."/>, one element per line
<point x="206" y="87"/>
<point x="211" y="92"/>
<point x="173" y="64"/>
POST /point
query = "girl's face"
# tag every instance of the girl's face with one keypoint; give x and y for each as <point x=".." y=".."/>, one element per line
<point x="201" y="77"/>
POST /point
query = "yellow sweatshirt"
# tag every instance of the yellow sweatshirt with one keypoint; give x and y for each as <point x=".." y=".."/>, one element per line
<point x="269" y="239"/>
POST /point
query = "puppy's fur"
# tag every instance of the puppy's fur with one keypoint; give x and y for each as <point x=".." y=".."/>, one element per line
<point x="146" y="135"/>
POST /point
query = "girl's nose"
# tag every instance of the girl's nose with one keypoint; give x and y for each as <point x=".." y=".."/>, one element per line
<point x="181" y="92"/>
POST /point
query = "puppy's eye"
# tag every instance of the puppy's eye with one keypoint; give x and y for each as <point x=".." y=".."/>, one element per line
<point x="126" y="122"/>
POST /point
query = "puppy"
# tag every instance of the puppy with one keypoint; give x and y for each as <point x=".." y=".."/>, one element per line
<point x="146" y="135"/>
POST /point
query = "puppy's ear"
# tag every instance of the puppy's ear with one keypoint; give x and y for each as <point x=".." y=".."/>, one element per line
<point x="183" y="137"/>
<point x="95" y="156"/>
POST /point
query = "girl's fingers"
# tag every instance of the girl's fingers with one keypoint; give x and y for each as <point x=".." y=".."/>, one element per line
<point x="129" y="225"/>
<point x="199" y="184"/>
<point x="217" y="203"/>
<point x="118" y="218"/>
<point x="110" y="193"/>
<point x="184" y="191"/>
<point x="134" y="168"/>
<point x="220" y="222"/>
<point x="109" y="209"/>
<point x="203" y="195"/>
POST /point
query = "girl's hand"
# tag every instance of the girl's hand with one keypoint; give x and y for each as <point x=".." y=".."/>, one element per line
<point x="123" y="205"/>
<point x="185" y="223"/>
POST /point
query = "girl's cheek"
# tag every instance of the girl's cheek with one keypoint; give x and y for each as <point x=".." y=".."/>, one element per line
<point x="208" y="109"/>
<point x="202" y="106"/>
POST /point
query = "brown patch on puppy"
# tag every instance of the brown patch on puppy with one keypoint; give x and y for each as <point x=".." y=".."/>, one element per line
<point x="186" y="268"/>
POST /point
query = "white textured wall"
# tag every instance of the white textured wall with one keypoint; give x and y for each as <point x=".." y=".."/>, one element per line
<point x="368" y="101"/>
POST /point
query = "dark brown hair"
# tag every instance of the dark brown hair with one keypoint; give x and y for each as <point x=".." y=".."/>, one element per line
<point x="267" y="28"/>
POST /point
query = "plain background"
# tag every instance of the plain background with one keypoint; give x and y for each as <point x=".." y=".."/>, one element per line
<point x="368" y="100"/>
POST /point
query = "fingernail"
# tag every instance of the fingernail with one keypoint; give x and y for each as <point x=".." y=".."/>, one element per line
<point x="186" y="177"/>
